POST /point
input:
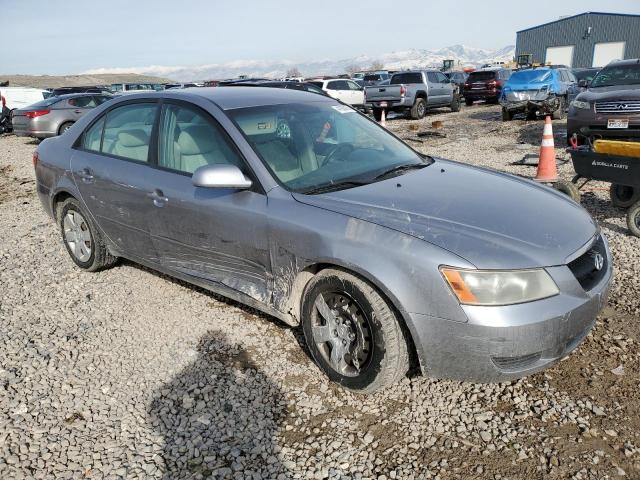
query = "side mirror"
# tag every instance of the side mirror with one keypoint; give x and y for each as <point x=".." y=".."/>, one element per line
<point x="583" y="84"/>
<point x="220" y="176"/>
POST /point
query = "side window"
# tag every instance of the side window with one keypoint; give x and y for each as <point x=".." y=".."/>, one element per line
<point x="93" y="137"/>
<point x="431" y="76"/>
<point x="100" y="99"/>
<point x="442" y="78"/>
<point x="189" y="139"/>
<point x="572" y="77"/>
<point x="353" y="86"/>
<point x="82" y="102"/>
<point x="127" y="131"/>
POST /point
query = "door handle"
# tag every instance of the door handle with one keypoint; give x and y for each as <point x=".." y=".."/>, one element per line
<point x="78" y="111"/>
<point x="86" y="175"/>
<point x="159" y="200"/>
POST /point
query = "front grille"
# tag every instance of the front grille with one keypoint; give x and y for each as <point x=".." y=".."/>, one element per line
<point x="516" y="364"/>
<point x="585" y="267"/>
<point x="621" y="108"/>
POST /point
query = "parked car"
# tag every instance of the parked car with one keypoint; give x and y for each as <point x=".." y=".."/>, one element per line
<point x="56" y="92"/>
<point x="610" y="107"/>
<point x="169" y="86"/>
<point x="300" y="207"/>
<point x="414" y="92"/>
<point x="345" y="90"/>
<point x="485" y="85"/>
<point x="584" y="75"/>
<point x="19" y="97"/>
<point x="375" y="78"/>
<point x="538" y="91"/>
<point x="458" y="79"/>
<point x="54" y="115"/>
<point x="294" y="85"/>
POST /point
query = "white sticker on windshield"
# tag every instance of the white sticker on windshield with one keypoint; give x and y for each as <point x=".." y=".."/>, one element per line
<point x="342" y="109"/>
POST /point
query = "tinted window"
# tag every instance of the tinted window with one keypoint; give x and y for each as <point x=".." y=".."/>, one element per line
<point x="353" y="86"/>
<point x="399" y="78"/>
<point x="93" y="137"/>
<point x="100" y="99"/>
<point x="482" y="76"/>
<point x="317" y="84"/>
<point x="372" y="78"/>
<point x="189" y="139"/>
<point x="432" y="77"/>
<point x="617" y="75"/>
<point x="128" y="130"/>
<point x="82" y="102"/>
<point x="338" y="85"/>
<point x="441" y="78"/>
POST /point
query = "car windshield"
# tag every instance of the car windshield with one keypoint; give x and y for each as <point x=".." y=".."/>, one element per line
<point x="617" y="75"/>
<point x="315" y="145"/>
<point x="585" y="74"/>
<point x="529" y="76"/>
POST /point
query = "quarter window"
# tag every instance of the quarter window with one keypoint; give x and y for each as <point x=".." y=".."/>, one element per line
<point x="127" y="131"/>
<point x="189" y="139"/>
<point x="93" y="137"/>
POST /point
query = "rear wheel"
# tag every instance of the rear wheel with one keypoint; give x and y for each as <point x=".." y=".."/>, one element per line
<point x="377" y="114"/>
<point x="468" y="102"/>
<point x="507" y="115"/>
<point x="419" y="109"/>
<point x="64" y="127"/>
<point x="352" y="332"/>
<point x="82" y="238"/>
<point x="623" y="196"/>
<point x="633" y="219"/>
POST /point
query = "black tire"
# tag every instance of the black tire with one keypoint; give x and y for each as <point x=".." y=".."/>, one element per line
<point x="468" y="102"/>
<point x="558" y="114"/>
<point x="368" y="326"/>
<point x="623" y="196"/>
<point x="377" y="114"/>
<point x="569" y="189"/>
<point x="455" y="103"/>
<point x="99" y="257"/>
<point x="419" y="109"/>
<point x="633" y="219"/>
<point x="531" y="115"/>
<point x="64" y="127"/>
<point x="507" y="115"/>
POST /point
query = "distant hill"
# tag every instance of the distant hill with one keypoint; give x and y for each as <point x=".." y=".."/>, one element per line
<point x="48" y="81"/>
<point x="399" y="60"/>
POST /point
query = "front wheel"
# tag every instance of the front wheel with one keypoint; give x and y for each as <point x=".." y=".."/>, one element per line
<point x="633" y="219"/>
<point x="353" y="334"/>
<point x="558" y="113"/>
<point x="468" y="102"/>
<point x="455" y="103"/>
<point x="507" y="115"/>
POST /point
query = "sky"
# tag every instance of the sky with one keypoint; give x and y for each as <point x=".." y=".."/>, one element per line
<point x="71" y="36"/>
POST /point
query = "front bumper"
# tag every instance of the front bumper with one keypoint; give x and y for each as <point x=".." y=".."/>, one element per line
<point x="547" y="105"/>
<point x="508" y="342"/>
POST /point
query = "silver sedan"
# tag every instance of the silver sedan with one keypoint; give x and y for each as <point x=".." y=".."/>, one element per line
<point x="296" y="204"/>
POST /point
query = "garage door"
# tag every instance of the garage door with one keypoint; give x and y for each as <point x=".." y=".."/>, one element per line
<point x="604" y="53"/>
<point x="560" y="55"/>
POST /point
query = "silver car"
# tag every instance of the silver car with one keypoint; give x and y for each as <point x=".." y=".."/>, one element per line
<point x="54" y="115"/>
<point x="296" y="204"/>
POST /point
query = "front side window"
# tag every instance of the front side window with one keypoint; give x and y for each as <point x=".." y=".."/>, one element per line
<point x="308" y="146"/>
<point x="189" y="139"/>
<point x="127" y="131"/>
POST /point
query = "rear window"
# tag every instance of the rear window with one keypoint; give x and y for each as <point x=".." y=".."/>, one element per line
<point x="399" y="78"/>
<point x="482" y="76"/>
<point x="372" y="77"/>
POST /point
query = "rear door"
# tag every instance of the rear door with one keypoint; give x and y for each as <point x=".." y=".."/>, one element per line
<point x="436" y="94"/>
<point x="111" y="168"/>
<point x="356" y="93"/>
<point x="340" y="90"/>
<point x="216" y="234"/>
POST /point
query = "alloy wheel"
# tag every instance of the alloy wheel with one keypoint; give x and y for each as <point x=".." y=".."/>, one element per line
<point x="342" y="333"/>
<point x="77" y="235"/>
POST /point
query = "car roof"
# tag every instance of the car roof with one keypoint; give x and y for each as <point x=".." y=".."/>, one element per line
<point x="232" y="97"/>
<point x="630" y="61"/>
<point x="79" y="94"/>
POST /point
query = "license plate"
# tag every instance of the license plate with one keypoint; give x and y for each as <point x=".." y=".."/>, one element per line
<point x="618" y="123"/>
<point x="384" y="104"/>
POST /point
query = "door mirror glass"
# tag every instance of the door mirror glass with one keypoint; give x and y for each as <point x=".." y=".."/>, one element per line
<point x="220" y="176"/>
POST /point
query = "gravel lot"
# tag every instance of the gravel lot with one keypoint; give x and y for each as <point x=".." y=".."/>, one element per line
<point x="130" y="374"/>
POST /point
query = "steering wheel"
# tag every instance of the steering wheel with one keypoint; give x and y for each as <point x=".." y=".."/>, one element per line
<point x="338" y="154"/>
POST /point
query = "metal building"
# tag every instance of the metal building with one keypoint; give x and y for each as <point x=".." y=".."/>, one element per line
<point x="590" y="39"/>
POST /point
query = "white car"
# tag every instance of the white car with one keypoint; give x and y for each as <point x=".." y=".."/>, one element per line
<point x="343" y="89"/>
<point x="20" y="97"/>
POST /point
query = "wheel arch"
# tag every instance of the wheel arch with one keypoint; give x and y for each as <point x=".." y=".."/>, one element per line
<point x="421" y="94"/>
<point x="304" y="276"/>
<point x="58" y="198"/>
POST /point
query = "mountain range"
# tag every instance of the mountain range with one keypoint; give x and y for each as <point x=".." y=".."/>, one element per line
<point x="399" y="60"/>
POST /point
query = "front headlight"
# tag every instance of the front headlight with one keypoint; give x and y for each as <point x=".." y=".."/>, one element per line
<point x="581" y="104"/>
<point x="499" y="287"/>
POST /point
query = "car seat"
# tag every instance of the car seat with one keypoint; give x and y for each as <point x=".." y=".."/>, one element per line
<point x="132" y="144"/>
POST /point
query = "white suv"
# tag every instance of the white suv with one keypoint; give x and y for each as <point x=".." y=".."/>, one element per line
<point x="343" y="89"/>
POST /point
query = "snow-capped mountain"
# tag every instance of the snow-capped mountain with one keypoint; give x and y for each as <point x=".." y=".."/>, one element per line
<point x="413" y="58"/>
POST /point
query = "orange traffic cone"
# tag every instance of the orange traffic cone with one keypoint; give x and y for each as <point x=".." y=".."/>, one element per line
<point x="383" y="121"/>
<point x="547" y="169"/>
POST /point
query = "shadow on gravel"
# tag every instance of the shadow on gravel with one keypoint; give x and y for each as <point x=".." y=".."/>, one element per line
<point x="531" y="133"/>
<point x="219" y="416"/>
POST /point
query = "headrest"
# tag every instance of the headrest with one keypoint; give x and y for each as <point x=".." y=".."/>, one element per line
<point x="258" y="124"/>
<point x="197" y="139"/>
<point x="133" y="138"/>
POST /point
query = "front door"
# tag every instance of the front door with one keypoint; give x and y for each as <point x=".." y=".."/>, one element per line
<point x="111" y="171"/>
<point x="219" y="235"/>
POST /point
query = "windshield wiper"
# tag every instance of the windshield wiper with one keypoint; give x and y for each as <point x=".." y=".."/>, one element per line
<point x="333" y="187"/>
<point x="399" y="170"/>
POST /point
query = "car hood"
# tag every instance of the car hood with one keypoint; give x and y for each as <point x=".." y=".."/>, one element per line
<point x="490" y="219"/>
<point x="621" y="92"/>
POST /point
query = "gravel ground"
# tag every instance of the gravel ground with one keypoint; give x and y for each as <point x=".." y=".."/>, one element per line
<point x="127" y="373"/>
